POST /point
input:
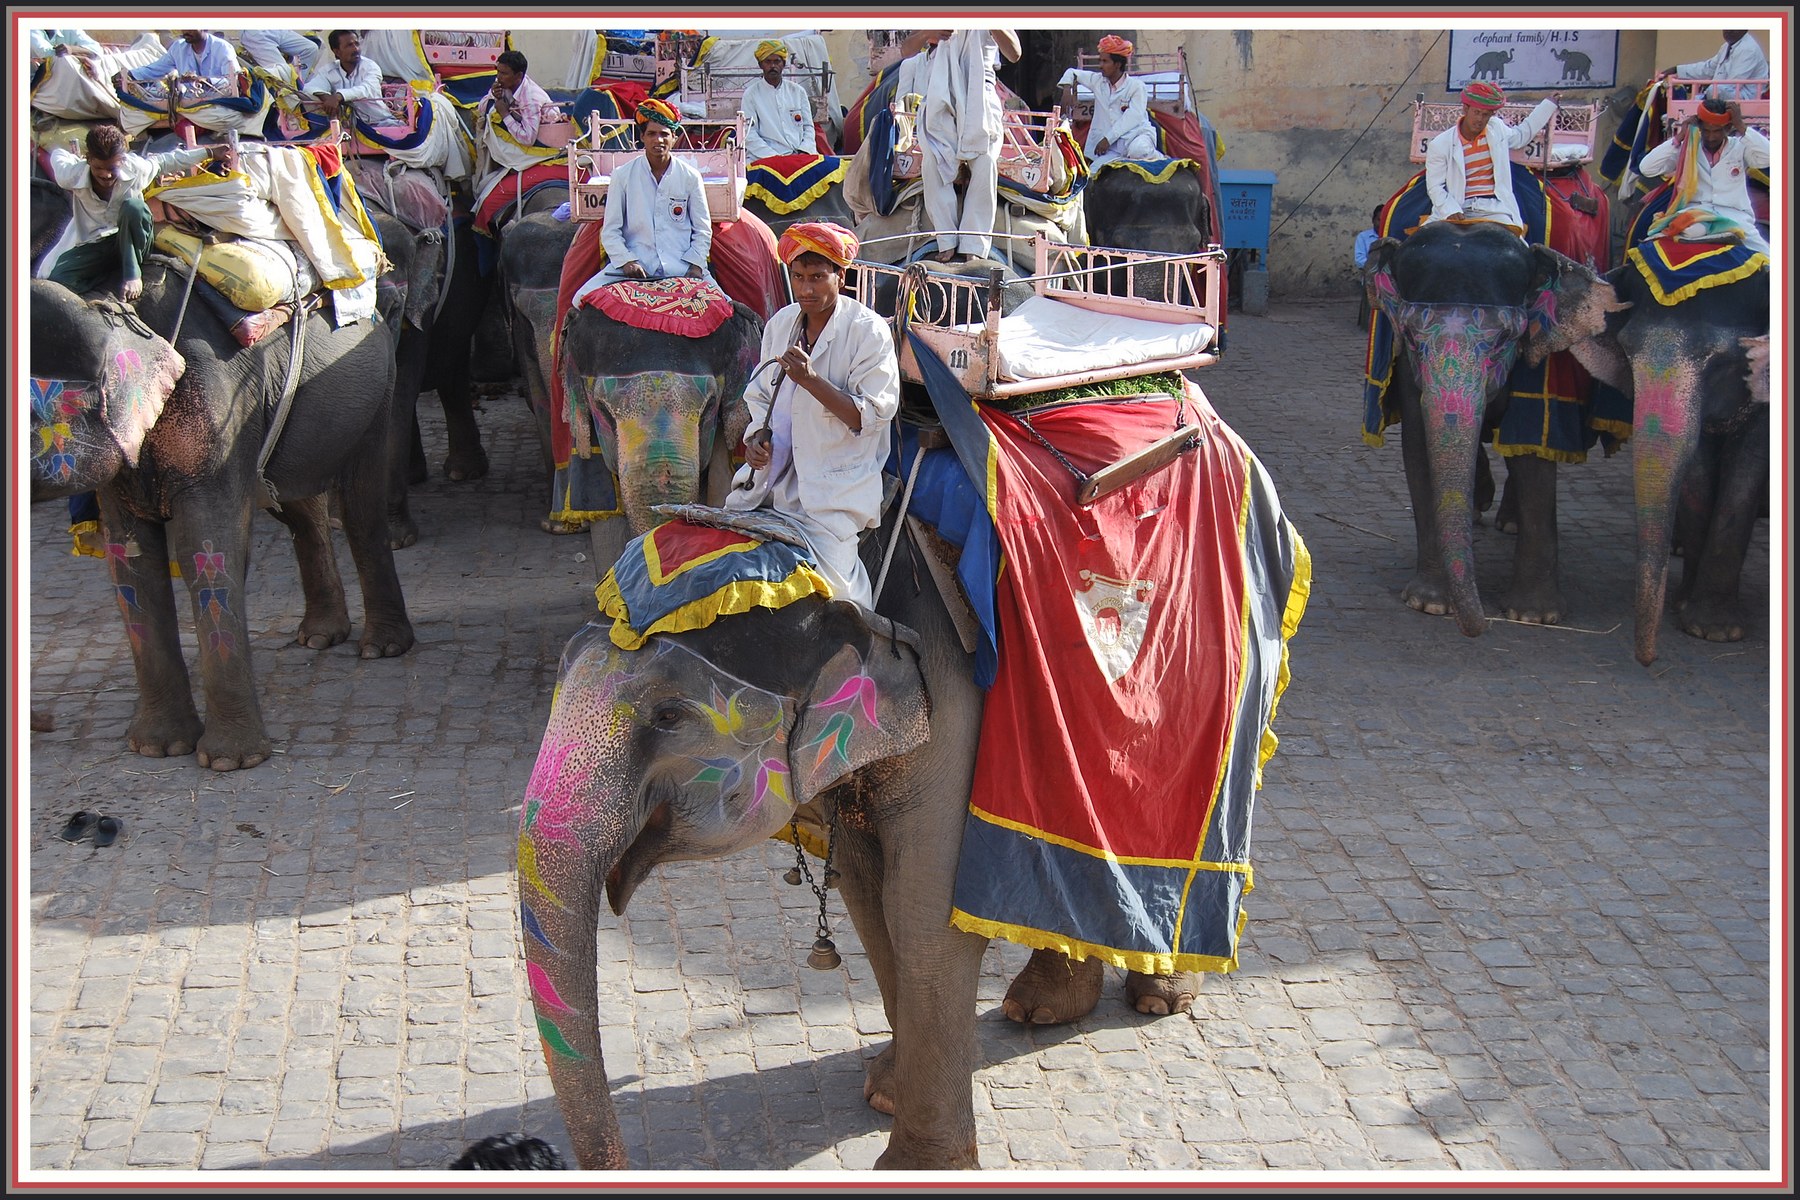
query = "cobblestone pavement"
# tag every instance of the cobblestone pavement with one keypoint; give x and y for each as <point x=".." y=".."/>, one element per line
<point x="1512" y="908"/>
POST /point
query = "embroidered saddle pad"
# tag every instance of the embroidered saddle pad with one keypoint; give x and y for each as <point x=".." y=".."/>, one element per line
<point x="690" y="307"/>
<point x="1676" y="269"/>
<point x="787" y="183"/>
<point x="683" y="575"/>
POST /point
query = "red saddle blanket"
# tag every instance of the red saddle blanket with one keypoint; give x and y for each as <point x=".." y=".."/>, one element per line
<point x="691" y="307"/>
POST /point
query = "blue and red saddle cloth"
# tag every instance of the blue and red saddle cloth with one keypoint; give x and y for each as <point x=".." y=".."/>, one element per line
<point x="1134" y="651"/>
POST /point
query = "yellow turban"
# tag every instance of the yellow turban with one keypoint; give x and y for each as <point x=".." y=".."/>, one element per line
<point x="769" y="47"/>
<point x="660" y="111"/>
<point x="1112" y="43"/>
<point x="820" y="237"/>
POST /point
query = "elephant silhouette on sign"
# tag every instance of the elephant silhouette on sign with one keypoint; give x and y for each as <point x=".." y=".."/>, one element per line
<point x="1575" y="65"/>
<point x="1491" y="65"/>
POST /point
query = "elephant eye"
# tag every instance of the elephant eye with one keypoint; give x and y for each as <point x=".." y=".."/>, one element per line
<point x="668" y="714"/>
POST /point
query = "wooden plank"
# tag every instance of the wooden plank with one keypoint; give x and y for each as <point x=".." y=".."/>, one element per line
<point x="1133" y="467"/>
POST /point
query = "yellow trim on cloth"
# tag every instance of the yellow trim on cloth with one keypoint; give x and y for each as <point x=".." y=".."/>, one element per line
<point x="1756" y="263"/>
<point x="1163" y="175"/>
<point x="1144" y="962"/>
<point x="782" y="208"/>
<point x="738" y="597"/>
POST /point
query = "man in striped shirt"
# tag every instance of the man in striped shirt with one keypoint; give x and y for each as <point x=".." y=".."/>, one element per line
<point x="1468" y="173"/>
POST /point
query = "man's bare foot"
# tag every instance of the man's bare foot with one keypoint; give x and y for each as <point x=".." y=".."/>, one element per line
<point x="130" y="290"/>
<point x="945" y="256"/>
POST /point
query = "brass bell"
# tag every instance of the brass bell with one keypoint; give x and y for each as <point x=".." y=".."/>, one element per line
<point x="824" y="956"/>
<point x="791" y="876"/>
<point x="831" y="878"/>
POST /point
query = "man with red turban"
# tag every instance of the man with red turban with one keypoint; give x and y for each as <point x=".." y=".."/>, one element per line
<point x="822" y="404"/>
<point x="1121" y="127"/>
<point x="1468" y="167"/>
<point x="657" y="222"/>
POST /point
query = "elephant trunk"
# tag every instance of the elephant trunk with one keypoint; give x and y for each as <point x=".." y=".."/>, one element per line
<point x="1665" y="434"/>
<point x="571" y="837"/>
<point x="1452" y="438"/>
<point x="1463" y="354"/>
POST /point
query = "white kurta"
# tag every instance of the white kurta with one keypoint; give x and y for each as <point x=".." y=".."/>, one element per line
<point x="1745" y="60"/>
<point x="362" y="87"/>
<point x="777" y="120"/>
<point x="1121" y="117"/>
<point x="271" y="49"/>
<point x="1445" y="177"/>
<point x="663" y="226"/>
<point x="960" y="123"/>
<point x="92" y="218"/>
<point x="1723" y="186"/>
<point x="216" y="60"/>
<point x="822" y="473"/>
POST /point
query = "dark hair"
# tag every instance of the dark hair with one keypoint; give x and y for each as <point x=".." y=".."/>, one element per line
<point x="513" y="59"/>
<point x="833" y="263"/>
<point x="509" y="1152"/>
<point x="1121" y="59"/>
<point x="105" y="141"/>
<point x="1375" y="217"/>
<point x="331" y="39"/>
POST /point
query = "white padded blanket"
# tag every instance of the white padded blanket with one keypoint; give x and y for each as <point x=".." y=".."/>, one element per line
<point x="1044" y="338"/>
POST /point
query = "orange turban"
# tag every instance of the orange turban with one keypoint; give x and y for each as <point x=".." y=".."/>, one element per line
<point x="1718" y="120"/>
<point x="1482" y="94"/>
<point x="820" y="237"/>
<point x="660" y="111"/>
<point x="1112" y="43"/>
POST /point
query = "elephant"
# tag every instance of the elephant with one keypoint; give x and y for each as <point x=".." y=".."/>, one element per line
<point x="1127" y="212"/>
<point x="1461" y="297"/>
<point x="1491" y="65"/>
<point x="1575" y="65"/>
<point x="706" y="740"/>
<point x="1698" y="375"/>
<point x="531" y="260"/>
<point x="173" y="440"/>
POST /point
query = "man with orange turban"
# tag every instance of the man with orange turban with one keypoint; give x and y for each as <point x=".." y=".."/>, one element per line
<point x="1709" y="159"/>
<point x="657" y="222"/>
<point x="1468" y="167"/>
<point x="1121" y="128"/>
<point x="822" y="405"/>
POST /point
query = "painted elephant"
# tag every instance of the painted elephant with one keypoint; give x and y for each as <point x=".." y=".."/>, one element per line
<point x="1461" y="298"/>
<point x="1698" y="374"/>
<point x="171" y="438"/>
<point x="862" y="726"/>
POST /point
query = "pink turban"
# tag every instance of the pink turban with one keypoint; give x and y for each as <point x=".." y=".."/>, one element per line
<point x="1483" y="94"/>
<point x="820" y="237"/>
<point x="1112" y="43"/>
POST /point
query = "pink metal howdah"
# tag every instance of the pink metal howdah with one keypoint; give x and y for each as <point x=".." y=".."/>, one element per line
<point x="714" y="148"/>
<point x="1568" y="138"/>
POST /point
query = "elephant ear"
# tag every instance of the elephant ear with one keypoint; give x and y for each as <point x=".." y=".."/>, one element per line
<point x="138" y="371"/>
<point x="867" y="703"/>
<point x="1378" y="274"/>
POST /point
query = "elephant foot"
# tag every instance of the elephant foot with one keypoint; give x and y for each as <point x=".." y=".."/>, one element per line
<point x="553" y="526"/>
<point x="234" y="759"/>
<point x="1535" y="612"/>
<point x="878" y="1081"/>
<point x="1712" y="621"/>
<point x="1427" y="596"/>
<point x="1161" y="995"/>
<point x="402" y="532"/>
<point x="911" y="1156"/>
<point x="463" y="466"/>
<point x="1054" y="988"/>
<point x="168" y="738"/>
<point x="391" y="642"/>
<point x="324" y="632"/>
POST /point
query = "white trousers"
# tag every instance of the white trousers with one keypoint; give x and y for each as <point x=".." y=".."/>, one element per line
<point x="973" y="219"/>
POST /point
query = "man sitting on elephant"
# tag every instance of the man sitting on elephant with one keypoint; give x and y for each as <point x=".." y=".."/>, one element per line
<point x="1121" y="128"/>
<point x="818" y="434"/>
<point x="1712" y="196"/>
<point x="1467" y="171"/>
<point x="109" y="229"/>
<point x="657" y="222"/>
<point x="778" y="116"/>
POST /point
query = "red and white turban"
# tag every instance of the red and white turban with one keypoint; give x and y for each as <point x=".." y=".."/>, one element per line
<point x="1483" y="94"/>
<point x="1112" y="43"/>
<point x="820" y="237"/>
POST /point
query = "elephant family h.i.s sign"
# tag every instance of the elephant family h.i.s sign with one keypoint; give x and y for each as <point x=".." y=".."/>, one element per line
<point x="1534" y="59"/>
